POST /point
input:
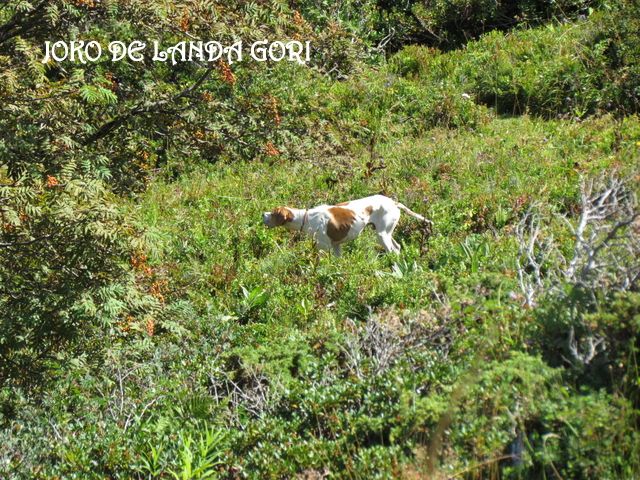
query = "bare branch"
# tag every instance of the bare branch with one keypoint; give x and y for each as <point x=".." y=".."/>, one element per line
<point x="533" y="254"/>
<point x="605" y="254"/>
<point x="592" y="350"/>
<point x="607" y="246"/>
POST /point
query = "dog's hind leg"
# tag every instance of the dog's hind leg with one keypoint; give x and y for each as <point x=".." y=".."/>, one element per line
<point x="388" y="242"/>
<point x="385" y="233"/>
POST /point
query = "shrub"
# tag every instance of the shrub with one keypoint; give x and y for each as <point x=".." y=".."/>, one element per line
<point x="390" y="24"/>
<point x="593" y="67"/>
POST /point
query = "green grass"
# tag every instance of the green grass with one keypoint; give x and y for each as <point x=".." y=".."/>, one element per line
<point x="469" y="182"/>
<point x="288" y="309"/>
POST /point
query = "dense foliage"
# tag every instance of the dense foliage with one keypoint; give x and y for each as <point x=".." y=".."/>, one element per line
<point x="150" y="327"/>
<point x="390" y="24"/>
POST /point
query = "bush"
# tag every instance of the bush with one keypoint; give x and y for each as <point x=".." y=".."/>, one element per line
<point x="593" y="68"/>
<point x="391" y="24"/>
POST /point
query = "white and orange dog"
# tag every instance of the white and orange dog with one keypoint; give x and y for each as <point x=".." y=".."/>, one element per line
<point x="333" y="225"/>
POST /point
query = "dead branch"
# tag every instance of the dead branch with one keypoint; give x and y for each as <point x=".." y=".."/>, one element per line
<point x="592" y="343"/>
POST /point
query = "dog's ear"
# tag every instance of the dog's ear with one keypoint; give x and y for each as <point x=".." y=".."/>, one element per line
<point x="282" y="215"/>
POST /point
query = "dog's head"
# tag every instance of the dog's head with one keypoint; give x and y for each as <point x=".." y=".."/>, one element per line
<point x="278" y="217"/>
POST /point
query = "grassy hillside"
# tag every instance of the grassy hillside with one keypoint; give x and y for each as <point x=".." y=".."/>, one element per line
<point x="166" y="333"/>
<point x="374" y="345"/>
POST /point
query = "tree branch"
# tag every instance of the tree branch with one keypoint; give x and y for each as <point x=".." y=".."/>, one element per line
<point x="112" y="125"/>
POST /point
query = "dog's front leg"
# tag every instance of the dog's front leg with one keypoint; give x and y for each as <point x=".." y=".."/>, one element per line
<point x="324" y="243"/>
<point x="337" y="250"/>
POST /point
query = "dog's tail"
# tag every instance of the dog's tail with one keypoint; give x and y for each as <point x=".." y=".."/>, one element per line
<point x="410" y="212"/>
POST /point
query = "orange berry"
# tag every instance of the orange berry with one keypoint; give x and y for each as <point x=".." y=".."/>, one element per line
<point x="227" y="75"/>
<point x="271" y="150"/>
<point x="150" y="326"/>
<point x="52" y="181"/>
